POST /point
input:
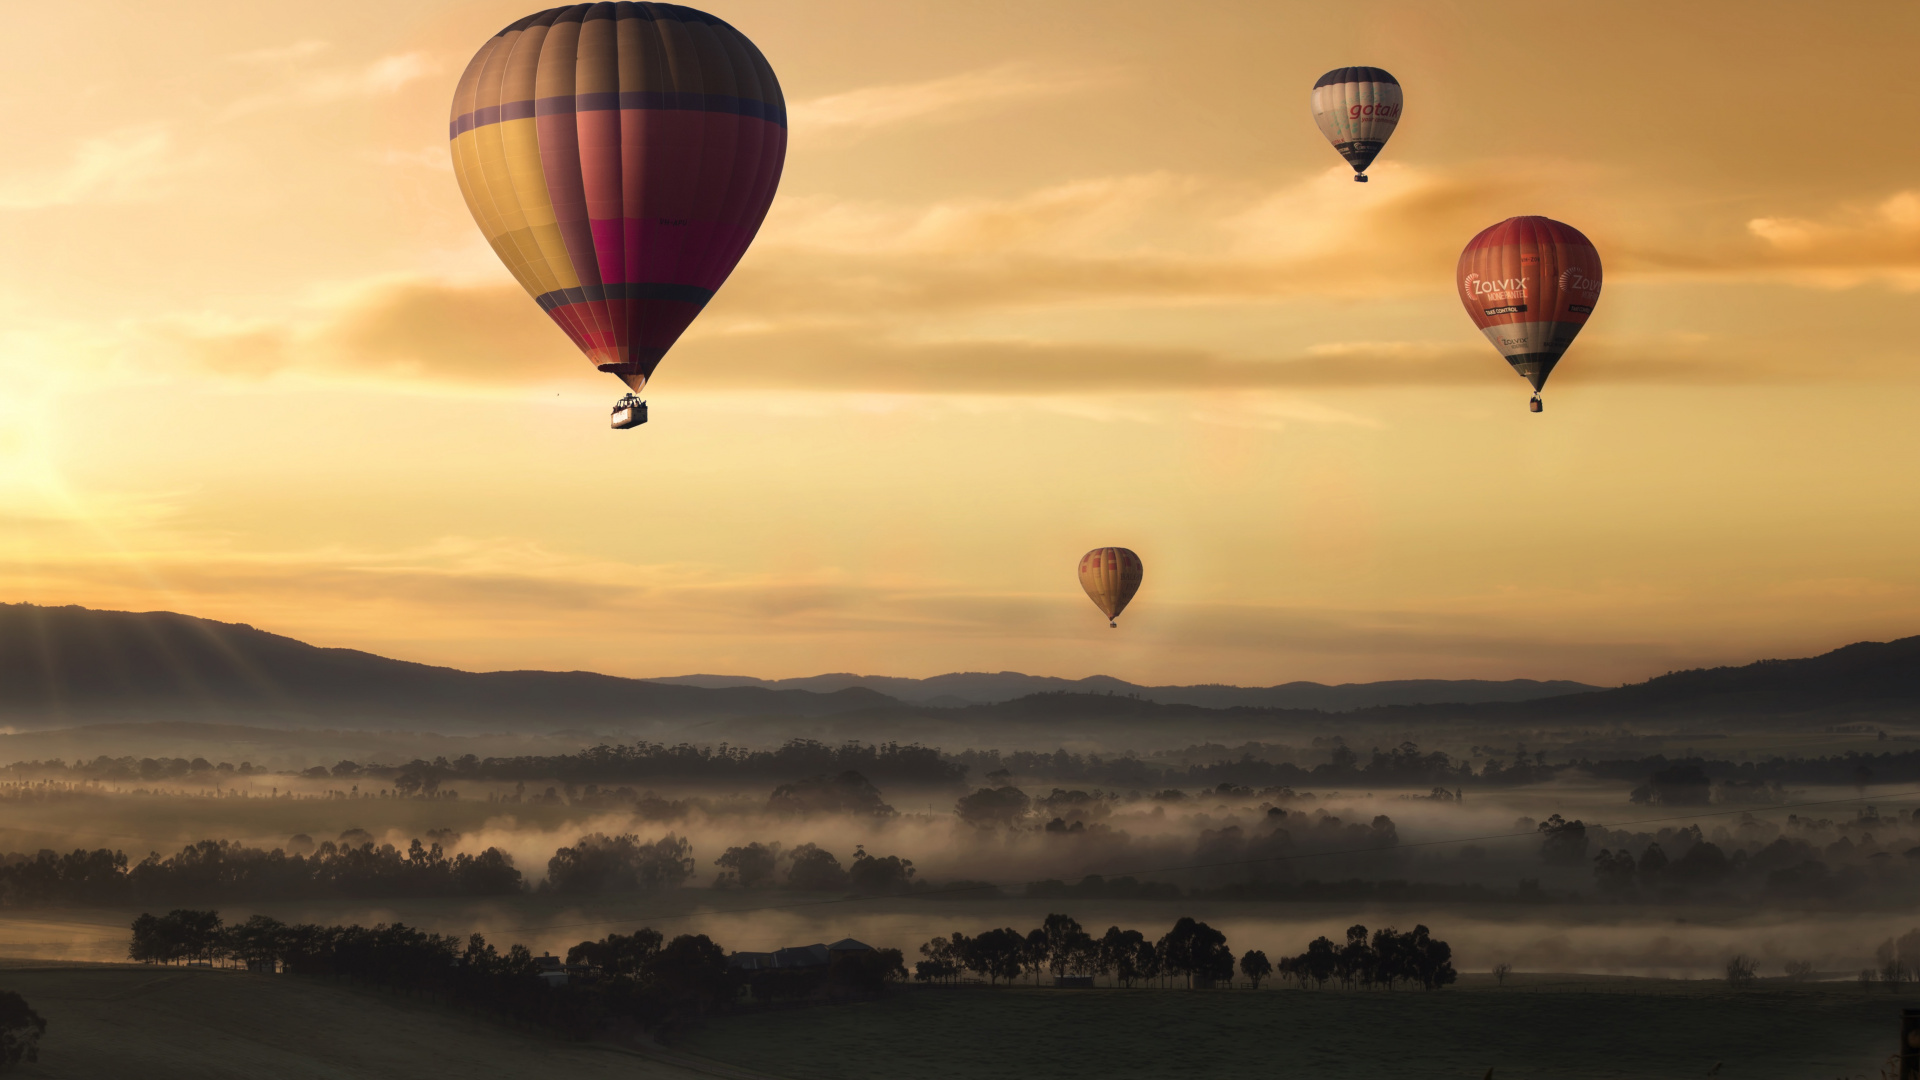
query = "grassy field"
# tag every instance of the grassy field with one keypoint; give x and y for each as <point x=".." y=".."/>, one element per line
<point x="158" y="1023"/>
<point x="161" y="1023"/>
<point x="1542" y="1029"/>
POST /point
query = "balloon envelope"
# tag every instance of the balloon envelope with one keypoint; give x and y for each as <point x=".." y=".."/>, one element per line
<point x="619" y="157"/>
<point x="1529" y="284"/>
<point x="1111" y="575"/>
<point x="1357" y="109"/>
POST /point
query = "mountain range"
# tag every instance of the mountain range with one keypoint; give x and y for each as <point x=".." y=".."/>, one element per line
<point x="64" y="666"/>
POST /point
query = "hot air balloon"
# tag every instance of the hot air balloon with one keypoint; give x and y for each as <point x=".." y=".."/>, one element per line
<point x="1529" y="284"/>
<point x="1111" y="575"/>
<point x="1357" y="109"/>
<point x="619" y="157"/>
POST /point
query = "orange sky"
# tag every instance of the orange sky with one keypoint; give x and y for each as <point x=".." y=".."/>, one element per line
<point x="1039" y="278"/>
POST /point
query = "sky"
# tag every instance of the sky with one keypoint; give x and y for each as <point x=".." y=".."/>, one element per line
<point x="1039" y="278"/>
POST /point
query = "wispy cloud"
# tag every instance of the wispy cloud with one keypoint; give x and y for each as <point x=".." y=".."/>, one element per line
<point x="281" y="54"/>
<point x="381" y="77"/>
<point x="1853" y="244"/>
<point x="117" y="167"/>
<point x="881" y="106"/>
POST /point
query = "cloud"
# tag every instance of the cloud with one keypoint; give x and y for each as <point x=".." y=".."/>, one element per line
<point x="281" y="54"/>
<point x="118" y="167"/>
<point x="881" y="106"/>
<point x="1854" y="244"/>
<point x="381" y="77"/>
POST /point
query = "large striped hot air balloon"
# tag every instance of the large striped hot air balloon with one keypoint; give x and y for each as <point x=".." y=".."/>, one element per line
<point x="1357" y="109"/>
<point x="1111" y="575"/>
<point x="1529" y="284"/>
<point x="619" y="158"/>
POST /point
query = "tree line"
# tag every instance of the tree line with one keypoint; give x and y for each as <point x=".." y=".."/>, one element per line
<point x="1416" y="958"/>
<point x="1192" y="952"/>
<point x="640" y="979"/>
<point x="223" y="871"/>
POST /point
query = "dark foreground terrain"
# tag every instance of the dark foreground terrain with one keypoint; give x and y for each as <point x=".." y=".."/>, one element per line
<point x="1541" y="1028"/>
<point x="158" y="1023"/>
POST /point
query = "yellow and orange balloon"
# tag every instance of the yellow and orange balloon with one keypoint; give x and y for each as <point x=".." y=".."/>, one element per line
<point x="619" y="157"/>
<point x="1111" y="575"/>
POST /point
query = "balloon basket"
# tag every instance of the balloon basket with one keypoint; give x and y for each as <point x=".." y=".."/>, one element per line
<point x="1533" y="404"/>
<point x="629" y="412"/>
<point x="1359" y="178"/>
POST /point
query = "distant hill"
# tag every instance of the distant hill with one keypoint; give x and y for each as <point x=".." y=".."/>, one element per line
<point x="68" y="666"/>
<point x="72" y="664"/>
<point x="987" y="688"/>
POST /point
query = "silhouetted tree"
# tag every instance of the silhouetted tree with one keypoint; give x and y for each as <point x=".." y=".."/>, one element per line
<point x="1255" y="966"/>
<point x="1001" y="806"/>
<point x="1563" y="841"/>
<point x="748" y="867"/>
<point x="843" y="793"/>
<point x="887" y="875"/>
<point x="20" y="1031"/>
<point x="815" y="870"/>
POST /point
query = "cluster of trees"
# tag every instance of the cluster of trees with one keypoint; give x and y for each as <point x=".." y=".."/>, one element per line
<point x="1416" y="958"/>
<point x="814" y="869"/>
<point x="639" y="978"/>
<point x="599" y="863"/>
<point x="1787" y="870"/>
<point x="130" y="769"/>
<point x="1192" y="951"/>
<point x="1400" y="766"/>
<point x="646" y="761"/>
<point x="220" y="871"/>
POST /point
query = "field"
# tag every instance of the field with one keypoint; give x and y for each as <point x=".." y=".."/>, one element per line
<point x="158" y="1023"/>
<point x="1575" y="1029"/>
<point x="161" y="1023"/>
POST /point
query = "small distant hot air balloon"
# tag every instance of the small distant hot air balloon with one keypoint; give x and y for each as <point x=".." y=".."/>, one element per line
<point x="1111" y="575"/>
<point x="1357" y="109"/>
<point x="619" y="157"/>
<point x="1529" y="284"/>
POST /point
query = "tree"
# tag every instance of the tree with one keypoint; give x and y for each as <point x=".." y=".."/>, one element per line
<point x="885" y="876"/>
<point x="868" y="970"/>
<point x="693" y="968"/>
<point x="628" y="955"/>
<point x="814" y="870"/>
<point x="1033" y="955"/>
<point x="1120" y="954"/>
<point x="1069" y="948"/>
<point x="1563" y="841"/>
<point x="997" y="954"/>
<point x="1613" y="872"/>
<point x="844" y="793"/>
<point x="1500" y="972"/>
<point x="1195" y="949"/>
<point x="748" y="867"/>
<point x="599" y="863"/>
<point x="1740" y="970"/>
<point x="20" y="1031"/>
<point x="942" y="963"/>
<point x="1799" y="970"/>
<point x="1255" y="966"/>
<point x="991" y="807"/>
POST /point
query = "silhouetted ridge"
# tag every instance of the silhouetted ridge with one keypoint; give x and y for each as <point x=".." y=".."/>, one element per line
<point x="73" y="662"/>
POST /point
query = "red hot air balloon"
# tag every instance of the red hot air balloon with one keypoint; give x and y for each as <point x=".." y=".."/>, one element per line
<point x="619" y="157"/>
<point x="1111" y="575"/>
<point x="1529" y="284"/>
